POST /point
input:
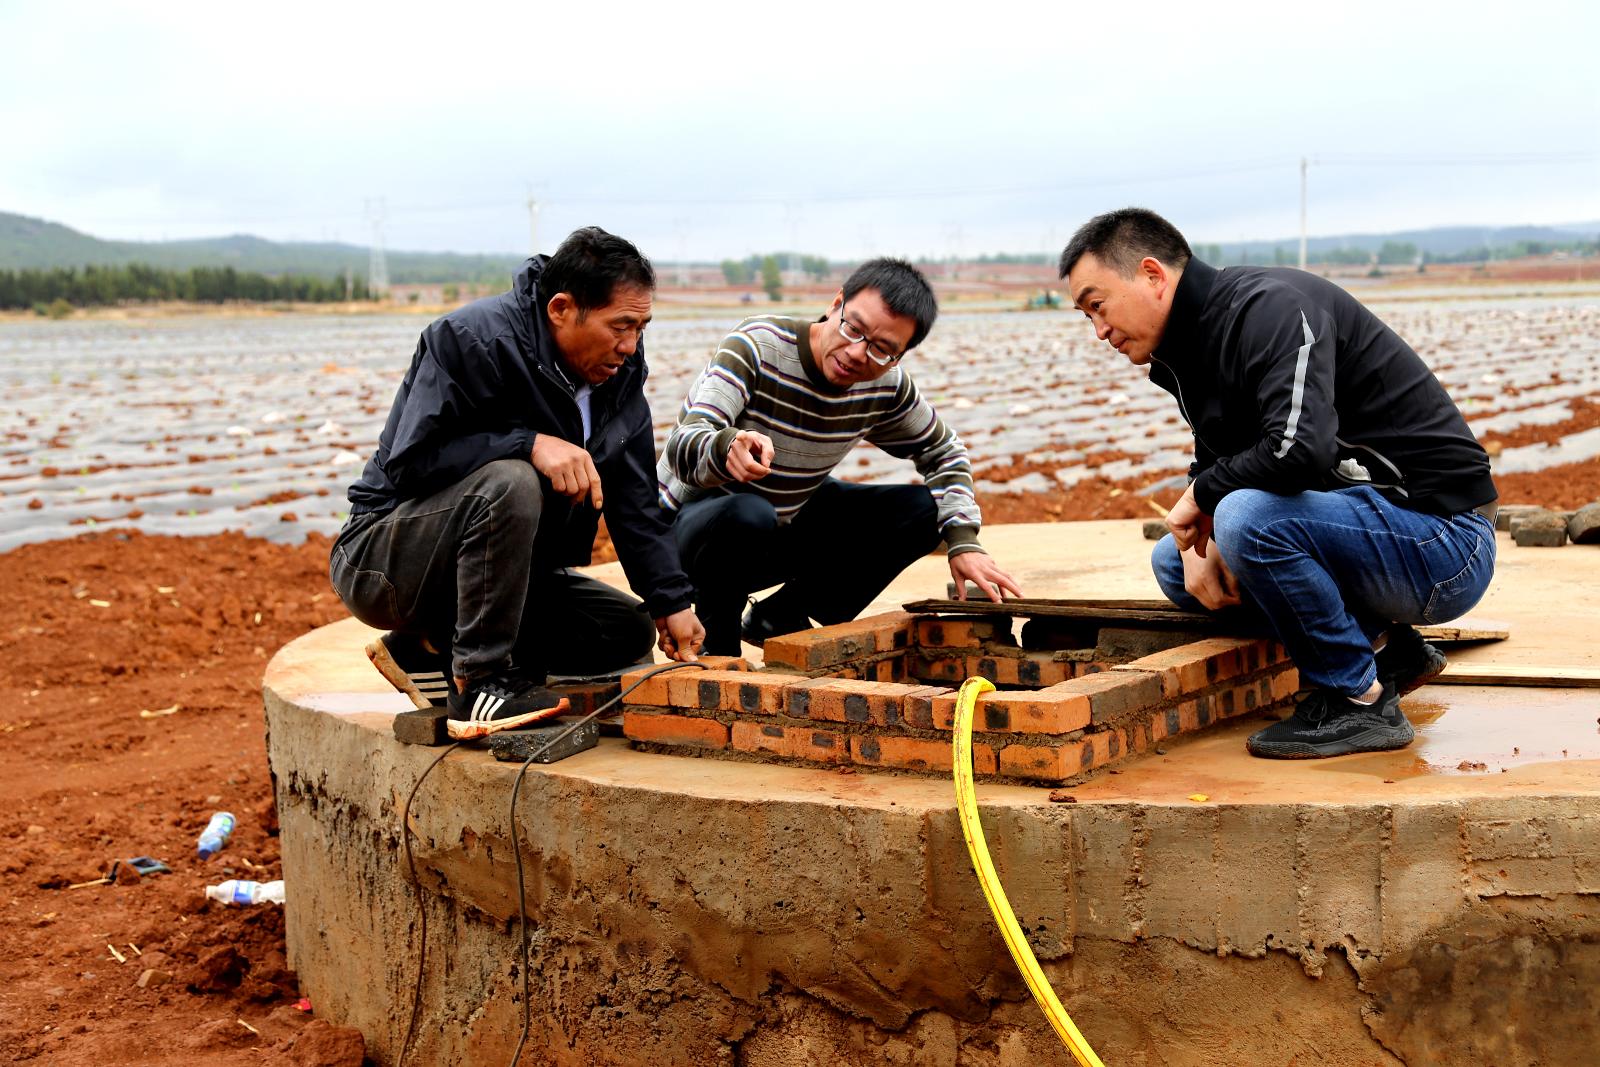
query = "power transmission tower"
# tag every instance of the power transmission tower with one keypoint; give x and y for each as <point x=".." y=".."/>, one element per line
<point x="533" y="224"/>
<point x="378" y="265"/>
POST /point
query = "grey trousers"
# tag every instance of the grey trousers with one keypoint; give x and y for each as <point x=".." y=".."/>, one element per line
<point x="462" y="568"/>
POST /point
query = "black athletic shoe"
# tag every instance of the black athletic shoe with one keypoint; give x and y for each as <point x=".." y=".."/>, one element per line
<point x="499" y="702"/>
<point x="1329" y="724"/>
<point x="1407" y="661"/>
<point x="755" y="627"/>
<point x="422" y="675"/>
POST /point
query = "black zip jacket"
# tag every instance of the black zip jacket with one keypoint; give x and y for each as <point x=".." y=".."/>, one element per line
<point x="1290" y="384"/>
<point x="484" y="381"/>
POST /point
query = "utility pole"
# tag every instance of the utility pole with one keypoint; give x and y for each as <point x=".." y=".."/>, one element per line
<point x="377" y="264"/>
<point x="1302" y="212"/>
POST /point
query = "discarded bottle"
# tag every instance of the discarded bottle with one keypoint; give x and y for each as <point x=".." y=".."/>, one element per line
<point x="216" y="834"/>
<point x="237" y="891"/>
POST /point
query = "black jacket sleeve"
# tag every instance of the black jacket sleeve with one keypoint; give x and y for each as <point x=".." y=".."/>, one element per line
<point x="439" y="428"/>
<point x="1288" y="351"/>
<point x="643" y="537"/>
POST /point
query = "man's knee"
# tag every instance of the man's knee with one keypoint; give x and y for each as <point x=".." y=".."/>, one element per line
<point x="747" y="512"/>
<point x="1168" y="567"/>
<point x="1240" y="516"/>
<point x="511" y="480"/>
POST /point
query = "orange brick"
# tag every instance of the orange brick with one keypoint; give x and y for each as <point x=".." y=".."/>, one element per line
<point x="758" y="693"/>
<point x="725" y="663"/>
<point x="1285" y="684"/>
<point x="1046" y="763"/>
<point x="1165" y="723"/>
<point x="1107" y="746"/>
<point x="828" y="646"/>
<point x="674" y="730"/>
<point x="1199" y="665"/>
<point x="947" y="631"/>
<point x="1189" y="717"/>
<point x="917" y="754"/>
<point x="703" y="689"/>
<point x="940" y="668"/>
<point x="881" y="703"/>
<point x="792" y="742"/>
<point x="652" y="692"/>
<point x="892" y="669"/>
<point x="1083" y="670"/>
<point x="1113" y="694"/>
<point x="1057" y="710"/>
<point x="917" y="707"/>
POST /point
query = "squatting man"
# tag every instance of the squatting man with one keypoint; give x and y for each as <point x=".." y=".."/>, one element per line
<point x="1336" y="491"/>
<point x="747" y="470"/>
<point x="521" y="420"/>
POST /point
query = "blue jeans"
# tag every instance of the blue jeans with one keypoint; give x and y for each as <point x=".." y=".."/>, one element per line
<point x="1330" y="571"/>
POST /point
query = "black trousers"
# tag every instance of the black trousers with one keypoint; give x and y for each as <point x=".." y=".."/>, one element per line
<point x="832" y="558"/>
<point x="462" y="568"/>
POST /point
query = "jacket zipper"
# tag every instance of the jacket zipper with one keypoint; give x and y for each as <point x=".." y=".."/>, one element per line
<point x="1194" y="427"/>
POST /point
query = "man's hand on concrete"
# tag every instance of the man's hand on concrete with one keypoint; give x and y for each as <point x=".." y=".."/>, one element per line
<point x="1191" y="527"/>
<point x="570" y="469"/>
<point x="981" y="569"/>
<point x="1208" y="579"/>
<point x="749" y="456"/>
<point x="680" y="636"/>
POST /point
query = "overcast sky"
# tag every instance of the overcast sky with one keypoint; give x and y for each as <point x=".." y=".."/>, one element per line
<point x="714" y="130"/>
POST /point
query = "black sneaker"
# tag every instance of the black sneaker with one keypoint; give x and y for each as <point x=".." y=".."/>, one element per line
<point x="1329" y="724"/>
<point x="1407" y="661"/>
<point x="755" y="627"/>
<point x="499" y="702"/>
<point x="410" y="667"/>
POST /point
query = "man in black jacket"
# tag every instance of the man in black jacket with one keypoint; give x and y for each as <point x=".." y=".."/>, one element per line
<point x="1337" y="484"/>
<point x="520" y="421"/>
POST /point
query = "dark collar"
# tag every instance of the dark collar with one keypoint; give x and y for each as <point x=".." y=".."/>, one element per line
<point x="808" y="361"/>
<point x="1183" y="321"/>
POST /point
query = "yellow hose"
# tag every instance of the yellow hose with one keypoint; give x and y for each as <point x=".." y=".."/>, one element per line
<point x="1004" y="917"/>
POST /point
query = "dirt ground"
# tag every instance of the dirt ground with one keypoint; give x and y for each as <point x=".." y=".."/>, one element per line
<point x="132" y="665"/>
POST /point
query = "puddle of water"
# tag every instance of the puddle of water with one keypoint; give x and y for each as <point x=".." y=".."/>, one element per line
<point x="1488" y="729"/>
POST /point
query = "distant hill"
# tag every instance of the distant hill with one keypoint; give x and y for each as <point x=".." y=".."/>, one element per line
<point x="1438" y="241"/>
<point x="30" y="242"/>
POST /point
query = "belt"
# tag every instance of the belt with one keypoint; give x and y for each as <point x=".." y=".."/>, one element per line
<point x="1489" y="510"/>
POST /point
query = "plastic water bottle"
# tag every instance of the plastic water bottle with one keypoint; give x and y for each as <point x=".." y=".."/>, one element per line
<point x="237" y="891"/>
<point x="216" y="834"/>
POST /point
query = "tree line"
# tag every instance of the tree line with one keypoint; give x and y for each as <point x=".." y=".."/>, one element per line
<point x="139" y="283"/>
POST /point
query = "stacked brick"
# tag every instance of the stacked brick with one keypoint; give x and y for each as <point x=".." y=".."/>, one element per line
<point x="880" y="693"/>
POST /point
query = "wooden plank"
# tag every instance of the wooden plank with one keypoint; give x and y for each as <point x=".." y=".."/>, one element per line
<point x="1466" y="628"/>
<point x="1530" y="675"/>
<point x="1157" y="613"/>
<point x="1168" y="616"/>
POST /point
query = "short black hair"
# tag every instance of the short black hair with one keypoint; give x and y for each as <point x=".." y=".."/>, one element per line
<point x="590" y="265"/>
<point x="1121" y="239"/>
<point x="904" y="289"/>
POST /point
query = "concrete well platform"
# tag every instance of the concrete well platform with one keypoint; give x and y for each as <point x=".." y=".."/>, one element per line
<point x="1440" y="905"/>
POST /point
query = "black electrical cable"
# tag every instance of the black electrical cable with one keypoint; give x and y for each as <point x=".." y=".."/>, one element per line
<point x="516" y="850"/>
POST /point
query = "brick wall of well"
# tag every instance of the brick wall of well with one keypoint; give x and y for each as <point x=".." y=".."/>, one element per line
<point x="880" y="693"/>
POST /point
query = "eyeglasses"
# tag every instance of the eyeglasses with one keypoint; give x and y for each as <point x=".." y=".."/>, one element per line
<point x="874" y="353"/>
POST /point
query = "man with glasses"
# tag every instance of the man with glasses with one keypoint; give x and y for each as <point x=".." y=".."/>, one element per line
<point x="747" y="469"/>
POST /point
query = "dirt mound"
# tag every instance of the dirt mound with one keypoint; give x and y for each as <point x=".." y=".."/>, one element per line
<point x="131" y="667"/>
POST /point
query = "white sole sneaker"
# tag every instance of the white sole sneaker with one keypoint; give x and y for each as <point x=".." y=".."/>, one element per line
<point x="468" y="729"/>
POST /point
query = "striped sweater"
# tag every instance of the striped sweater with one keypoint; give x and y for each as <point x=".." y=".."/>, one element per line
<point x="764" y="378"/>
